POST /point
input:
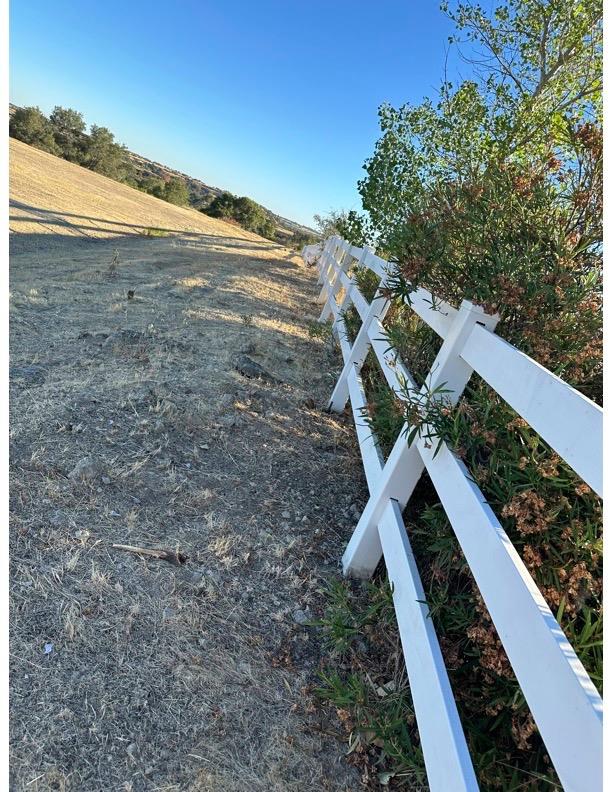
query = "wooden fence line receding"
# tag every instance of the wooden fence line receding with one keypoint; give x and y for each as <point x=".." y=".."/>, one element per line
<point x="564" y="702"/>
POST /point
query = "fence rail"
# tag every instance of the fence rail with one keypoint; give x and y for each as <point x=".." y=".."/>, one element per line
<point x="564" y="702"/>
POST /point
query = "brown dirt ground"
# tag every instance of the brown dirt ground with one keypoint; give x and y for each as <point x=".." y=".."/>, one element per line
<point x="163" y="677"/>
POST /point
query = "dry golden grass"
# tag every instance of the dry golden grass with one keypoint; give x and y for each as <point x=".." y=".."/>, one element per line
<point x="50" y="195"/>
<point x="165" y="677"/>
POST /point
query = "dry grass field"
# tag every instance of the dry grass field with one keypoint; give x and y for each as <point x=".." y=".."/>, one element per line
<point x="166" y="394"/>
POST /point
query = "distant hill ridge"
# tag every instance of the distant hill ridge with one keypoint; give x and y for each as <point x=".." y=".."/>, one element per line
<point x="199" y="193"/>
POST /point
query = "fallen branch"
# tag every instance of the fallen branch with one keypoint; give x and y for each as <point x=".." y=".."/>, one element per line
<point x="164" y="555"/>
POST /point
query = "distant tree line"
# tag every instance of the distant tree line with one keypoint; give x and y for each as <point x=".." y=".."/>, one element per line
<point x="64" y="134"/>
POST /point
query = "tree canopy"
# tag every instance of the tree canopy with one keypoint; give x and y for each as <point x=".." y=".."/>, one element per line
<point x="69" y="133"/>
<point x="248" y="213"/>
<point x="31" y="126"/>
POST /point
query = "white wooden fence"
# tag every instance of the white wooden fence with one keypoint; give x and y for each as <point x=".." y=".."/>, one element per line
<point x="564" y="702"/>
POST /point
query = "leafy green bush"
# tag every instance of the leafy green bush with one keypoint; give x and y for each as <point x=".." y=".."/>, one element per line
<point x="31" y="126"/>
<point x="249" y="214"/>
<point x="152" y="186"/>
<point x="175" y="191"/>
<point x="495" y="194"/>
<point x="103" y="155"/>
<point x="63" y="134"/>
<point x="352" y="226"/>
<point x="69" y="133"/>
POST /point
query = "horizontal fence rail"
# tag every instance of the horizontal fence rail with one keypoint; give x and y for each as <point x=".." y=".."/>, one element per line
<point x="564" y="702"/>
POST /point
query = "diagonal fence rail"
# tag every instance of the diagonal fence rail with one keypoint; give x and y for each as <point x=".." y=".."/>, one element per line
<point x="564" y="702"/>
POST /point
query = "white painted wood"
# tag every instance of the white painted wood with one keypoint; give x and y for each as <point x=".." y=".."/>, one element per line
<point x="446" y="755"/>
<point x="376" y="264"/>
<point x="341" y="333"/>
<point x="376" y="310"/>
<point x="404" y="465"/>
<point x="436" y="313"/>
<point x="391" y="364"/>
<point x="326" y="263"/>
<point x="562" y="698"/>
<point x="563" y="417"/>
<point x="564" y="702"/>
<point x="371" y="455"/>
<point x="337" y="268"/>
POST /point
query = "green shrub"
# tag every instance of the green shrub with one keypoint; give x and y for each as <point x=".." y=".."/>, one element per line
<point x="249" y="214"/>
<point x="495" y="195"/>
<point x="103" y="155"/>
<point x="352" y="226"/>
<point x="155" y="232"/>
<point x="31" y="126"/>
<point x="69" y="133"/>
<point x="175" y="191"/>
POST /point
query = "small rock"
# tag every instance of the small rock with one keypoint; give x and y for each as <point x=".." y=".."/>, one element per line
<point x="251" y="369"/>
<point x="106" y="480"/>
<point x="86" y="470"/>
<point x="301" y="617"/>
<point x="285" y="515"/>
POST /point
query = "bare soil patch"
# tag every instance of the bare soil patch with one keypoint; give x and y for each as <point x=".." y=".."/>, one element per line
<point x="135" y="421"/>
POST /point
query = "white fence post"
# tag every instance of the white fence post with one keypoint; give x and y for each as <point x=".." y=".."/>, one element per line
<point x="377" y="310"/>
<point x="563" y="700"/>
<point x="326" y="265"/>
<point x="404" y="464"/>
<point x="335" y="283"/>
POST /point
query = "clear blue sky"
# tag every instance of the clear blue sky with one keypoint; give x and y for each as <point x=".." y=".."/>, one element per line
<point x="271" y="99"/>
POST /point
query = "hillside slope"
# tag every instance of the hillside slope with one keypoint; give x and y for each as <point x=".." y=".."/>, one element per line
<point x="51" y="195"/>
<point x="166" y="394"/>
<point x="200" y="193"/>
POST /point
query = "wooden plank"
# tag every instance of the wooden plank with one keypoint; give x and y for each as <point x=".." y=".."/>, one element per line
<point x="445" y="751"/>
<point x="404" y="464"/>
<point x="337" y="267"/>
<point x="436" y="313"/>
<point x="564" y="702"/>
<point x="373" y="461"/>
<point x="341" y="334"/>
<point x="376" y="264"/>
<point x="391" y="364"/>
<point x="378" y="308"/>
<point x="563" y="417"/>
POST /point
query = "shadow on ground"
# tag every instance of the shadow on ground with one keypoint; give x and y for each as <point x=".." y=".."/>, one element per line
<point x="131" y="423"/>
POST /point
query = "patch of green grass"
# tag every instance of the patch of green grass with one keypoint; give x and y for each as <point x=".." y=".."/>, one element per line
<point x="320" y="330"/>
<point x="155" y="232"/>
<point x="364" y="680"/>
